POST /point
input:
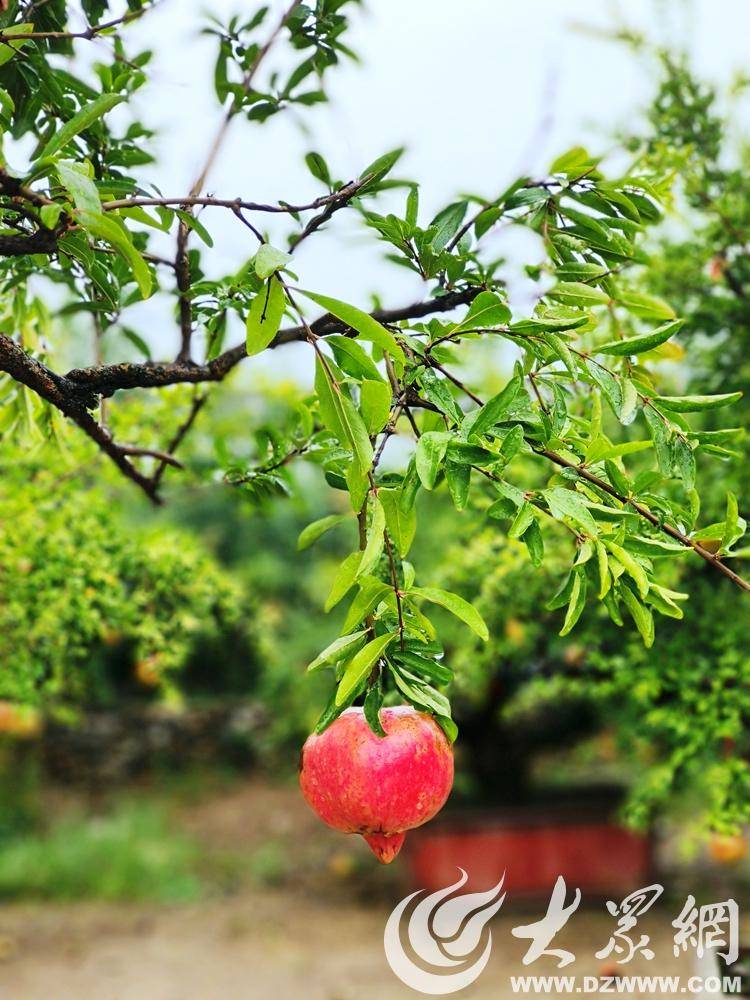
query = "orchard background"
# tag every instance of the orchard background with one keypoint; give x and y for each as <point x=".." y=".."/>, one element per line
<point x="359" y="357"/>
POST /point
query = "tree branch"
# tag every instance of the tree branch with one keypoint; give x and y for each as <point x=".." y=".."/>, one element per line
<point x="72" y="400"/>
<point x="88" y="33"/>
<point x="107" y="379"/>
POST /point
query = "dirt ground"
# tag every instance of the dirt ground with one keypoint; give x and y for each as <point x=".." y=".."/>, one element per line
<point x="316" y="935"/>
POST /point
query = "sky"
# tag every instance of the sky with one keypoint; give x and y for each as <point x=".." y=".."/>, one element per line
<point x="479" y="93"/>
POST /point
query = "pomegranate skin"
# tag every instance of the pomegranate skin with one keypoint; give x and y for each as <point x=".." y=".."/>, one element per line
<point x="380" y="787"/>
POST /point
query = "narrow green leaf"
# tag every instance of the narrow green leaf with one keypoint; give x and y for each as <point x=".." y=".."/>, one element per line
<point x="534" y="542"/>
<point x="118" y="237"/>
<point x="733" y="529"/>
<point x="458" y="478"/>
<point x="575" y="293"/>
<point x="80" y="121"/>
<point x="631" y="566"/>
<point x="645" y="306"/>
<point x="352" y="358"/>
<point x="372" y="591"/>
<point x="576" y="601"/>
<point x="375" y="539"/>
<point x="567" y="503"/>
<point x="339" y="649"/>
<point x="372" y="706"/>
<point x="495" y="408"/>
<point x="457" y="606"/>
<point x="361" y="664"/>
<point x="605" y="578"/>
<point x="641" y="344"/>
<point x="522" y="520"/>
<point x="644" y="620"/>
<point x="344" y="579"/>
<point x="364" y="324"/>
<point x="694" y="404"/>
<point x="401" y="524"/>
<point x="375" y="401"/>
<point x="313" y="531"/>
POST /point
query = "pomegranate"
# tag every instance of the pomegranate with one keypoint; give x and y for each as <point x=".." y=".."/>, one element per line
<point x="381" y="787"/>
<point x="727" y="849"/>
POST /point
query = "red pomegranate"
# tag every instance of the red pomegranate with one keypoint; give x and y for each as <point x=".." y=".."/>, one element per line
<point x="359" y="782"/>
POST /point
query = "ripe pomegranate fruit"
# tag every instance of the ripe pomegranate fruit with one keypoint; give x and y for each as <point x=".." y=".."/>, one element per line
<point x="727" y="849"/>
<point x="379" y="786"/>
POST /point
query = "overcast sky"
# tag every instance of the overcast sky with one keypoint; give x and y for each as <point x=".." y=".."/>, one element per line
<point x="479" y="92"/>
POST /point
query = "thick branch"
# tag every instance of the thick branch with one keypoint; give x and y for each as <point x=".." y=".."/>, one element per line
<point x="107" y="379"/>
<point x="72" y="400"/>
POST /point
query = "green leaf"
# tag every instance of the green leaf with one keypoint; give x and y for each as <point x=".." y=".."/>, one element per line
<point x="576" y="601"/>
<point x="50" y="215"/>
<point x="457" y="606"/>
<point x="645" y="306"/>
<point x="313" y="531"/>
<point x="522" y="520"/>
<point x="495" y="409"/>
<point x="600" y="449"/>
<point x="332" y="711"/>
<point x="339" y="649"/>
<point x="575" y="163"/>
<point x="429" y="456"/>
<point x="9" y="49"/>
<point x="364" y="324"/>
<point x="268" y="260"/>
<point x="447" y="223"/>
<point x="375" y="539"/>
<point x="118" y="237"/>
<point x="340" y="416"/>
<point x="344" y="579"/>
<point x="357" y="483"/>
<point x="318" y="167"/>
<point x="75" y="178"/>
<point x="631" y="565"/>
<point x="360" y="665"/>
<point x="372" y="591"/>
<point x="534" y="541"/>
<point x="683" y="458"/>
<point x="192" y="222"/>
<point x="375" y="401"/>
<point x="401" y="525"/>
<point x="458" y="478"/>
<point x="264" y="316"/>
<point x="734" y="526"/>
<point x="433" y="671"/>
<point x="437" y="391"/>
<point x="567" y="503"/>
<point x="380" y="167"/>
<point x="487" y="310"/>
<point x="372" y="706"/>
<point x="80" y="121"/>
<point x="575" y="293"/>
<point x="352" y="358"/>
<point x="694" y="404"/>
<point x="605" y="577"/>
<point x="448" y="726"/>
<point x="641" y="344"/>
<point x="644" y="620"/>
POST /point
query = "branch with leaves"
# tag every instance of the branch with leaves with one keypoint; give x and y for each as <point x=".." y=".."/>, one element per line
<point x="583" y="434"/>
